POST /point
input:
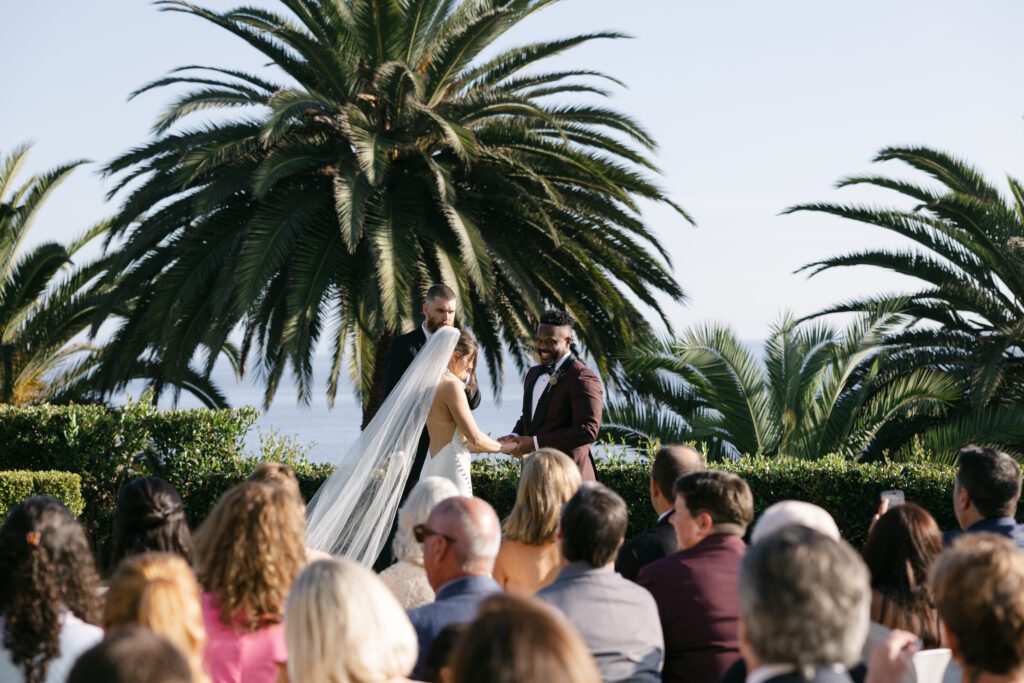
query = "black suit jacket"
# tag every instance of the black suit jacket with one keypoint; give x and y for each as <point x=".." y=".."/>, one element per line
<point x="737" y="673"/>
<point x="653" y="544"/>
<point x="400" y="355"/>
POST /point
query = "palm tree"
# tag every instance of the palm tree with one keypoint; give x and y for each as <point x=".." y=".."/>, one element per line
<point x="965" y="250"/>
<point x="48" y="302"/>
<point x="392" y="155"/>
<point x="815" y="392"/>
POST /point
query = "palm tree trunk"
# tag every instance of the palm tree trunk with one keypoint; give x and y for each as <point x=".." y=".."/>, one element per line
<point x="8" y="370"/>
<point x="372" y="401"/>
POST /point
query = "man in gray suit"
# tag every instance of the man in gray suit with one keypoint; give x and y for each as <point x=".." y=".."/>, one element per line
<point x="617" y="619"/>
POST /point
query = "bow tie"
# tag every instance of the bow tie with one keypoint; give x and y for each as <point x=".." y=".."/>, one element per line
<point x="549" y="369"/>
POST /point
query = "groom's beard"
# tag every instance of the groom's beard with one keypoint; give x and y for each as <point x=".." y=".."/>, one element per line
<point x="433" y="327"/>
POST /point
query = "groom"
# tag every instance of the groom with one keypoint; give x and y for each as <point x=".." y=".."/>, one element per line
<point x="562" y="398"/>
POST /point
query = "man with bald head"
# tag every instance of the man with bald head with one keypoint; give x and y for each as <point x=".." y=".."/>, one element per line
<point x="460" y="542"/>
<point x="670" y="463"/>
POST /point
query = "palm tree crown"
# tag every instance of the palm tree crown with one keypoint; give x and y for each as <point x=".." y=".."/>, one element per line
<point x="391" y="157"/>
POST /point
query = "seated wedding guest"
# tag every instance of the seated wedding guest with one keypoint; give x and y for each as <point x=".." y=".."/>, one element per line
<point x="529" y="558"/>
<point x="248" y="552"/>
<point x="48" y="592"/>
<point x="517" y="639"/>
<point x="899" y="552"/>
<point x="460" y="541"/>
<point x="270" y="472"/>
<point x="978" y="585"/>
<point x="986" y="492"/>
<point x="438" y="666"/>
<point x="804" y="603"/>
<point x="670" y="463"/>
<point x="342" y="624"/>
<point x="149" y="516"/>
<point x="158" y="591"/>
<point x="617" y="619"/>
<point x="695" y="588"/>
<point x="132" y="655"/>
<point x="407" y="578"/>
<point x="789" y="513"/>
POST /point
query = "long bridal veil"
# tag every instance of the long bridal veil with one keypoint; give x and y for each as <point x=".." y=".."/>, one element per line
<point x="352" y="512"/>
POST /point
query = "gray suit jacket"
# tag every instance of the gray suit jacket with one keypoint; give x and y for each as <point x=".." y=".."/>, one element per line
<point x="617" y="619"/>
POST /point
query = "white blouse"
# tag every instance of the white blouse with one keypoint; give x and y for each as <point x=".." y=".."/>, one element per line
<point x="76" y="637"/>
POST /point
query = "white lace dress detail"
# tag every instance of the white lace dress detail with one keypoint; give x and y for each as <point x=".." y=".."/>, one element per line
<point x="409" y="584"/>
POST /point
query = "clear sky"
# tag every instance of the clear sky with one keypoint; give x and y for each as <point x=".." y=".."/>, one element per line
<point x="756" y="106"/>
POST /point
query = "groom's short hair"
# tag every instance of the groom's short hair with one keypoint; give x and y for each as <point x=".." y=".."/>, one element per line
<point x="440" y="291"/>
<point x="557" y="318"/>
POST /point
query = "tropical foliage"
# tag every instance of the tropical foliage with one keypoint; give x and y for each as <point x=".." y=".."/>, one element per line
<point x="965" y="241"/>
<point x="383" y="153"/>
<point x="815" y="391"/>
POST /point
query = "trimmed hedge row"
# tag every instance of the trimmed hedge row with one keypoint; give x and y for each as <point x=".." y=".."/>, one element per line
<point x="64" y="486"/>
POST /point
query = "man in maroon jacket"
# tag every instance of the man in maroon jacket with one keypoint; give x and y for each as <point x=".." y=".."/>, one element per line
<point x="562" y="398"/>
<point x="696" y="589"/>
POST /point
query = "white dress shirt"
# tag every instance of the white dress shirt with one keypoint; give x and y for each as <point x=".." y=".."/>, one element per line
<point x="540" y="385"/>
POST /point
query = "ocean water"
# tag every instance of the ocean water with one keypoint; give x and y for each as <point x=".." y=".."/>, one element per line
<point x="328" y="432"/>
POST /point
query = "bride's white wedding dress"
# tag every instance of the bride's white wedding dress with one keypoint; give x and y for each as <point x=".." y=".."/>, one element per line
<point x="352" y="512"/>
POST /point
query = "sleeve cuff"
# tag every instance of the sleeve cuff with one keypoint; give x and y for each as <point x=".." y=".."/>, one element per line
<point x="536" y="445"/>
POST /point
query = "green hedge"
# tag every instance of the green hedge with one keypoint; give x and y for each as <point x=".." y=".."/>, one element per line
<point x="64" y="486"/>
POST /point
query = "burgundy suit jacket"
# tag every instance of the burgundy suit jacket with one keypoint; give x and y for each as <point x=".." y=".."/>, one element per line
<point x="568" y="414"/>
<point x="697" y="592"/>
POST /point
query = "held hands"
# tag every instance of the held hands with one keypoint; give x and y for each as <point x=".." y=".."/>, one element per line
<point x="516" y="446"/>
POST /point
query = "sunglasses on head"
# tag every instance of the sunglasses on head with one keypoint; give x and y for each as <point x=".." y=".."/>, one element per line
<point x="421" y="531"/>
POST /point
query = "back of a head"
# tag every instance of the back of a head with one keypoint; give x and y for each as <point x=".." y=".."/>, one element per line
<point x="150" y="516"/>
<point x="549" y="479"/>
<point x="270" y="472"/>
<point x="520" y="640"/>
<point x="441" y="292"/>
<point x="158" y="591"/>
<point x="132" y="655"/>
<point x="804" y="600"/>
<point x="723" y="495"/>
<point x="979" y="591"/>
<point x="789" y="513"/>
<point x="993" y="480"/>
<point x="249" y="550"/>
<point x="343" y="625"/>
<point x="593" y="525"/>
<point x="46" y="567"/>
<point x="475" y="525"/>
<point x="672" y="462"/>
<point x="422" y="499"/>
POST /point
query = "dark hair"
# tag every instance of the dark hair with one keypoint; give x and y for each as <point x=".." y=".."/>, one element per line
<point x="723" y="495"/>
<point x="672" y="462"/>
<point x="992" y="479"/>
<point x="46" y="566"/>
<point x="518" y="639"/>
<point x="593" y="524"/>
<point x="132" y="654"/>
<point x="441" y="649"/>
<point x="899" y="553"/>
<point x="467" y="344"/>
<point x="440" y="291"/>
<point x="557" y="318"/>
<point x="150" y="517"/>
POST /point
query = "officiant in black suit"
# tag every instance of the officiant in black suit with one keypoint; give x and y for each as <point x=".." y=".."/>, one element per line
<point x="670" y="463"/>
<point x="439" y="308"/>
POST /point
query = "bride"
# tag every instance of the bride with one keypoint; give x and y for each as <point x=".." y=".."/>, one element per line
<point x="352" y="512"/>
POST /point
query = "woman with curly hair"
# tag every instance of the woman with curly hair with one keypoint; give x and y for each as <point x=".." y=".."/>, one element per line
<point x="529" y="558"/>
<point x="158" y="591"/>
<point x="248" y="552"/>
<point x="150" y="516"/>
<point x="48" y="592"/>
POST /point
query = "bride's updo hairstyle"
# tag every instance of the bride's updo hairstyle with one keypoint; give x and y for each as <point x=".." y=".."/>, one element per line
<point x="466" y="346"/>
<point x="343" y="625"/>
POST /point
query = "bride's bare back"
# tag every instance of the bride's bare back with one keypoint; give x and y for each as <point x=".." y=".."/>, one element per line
<point x="449" y="411"/>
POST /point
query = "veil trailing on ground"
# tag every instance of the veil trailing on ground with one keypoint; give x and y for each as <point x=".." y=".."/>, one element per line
<point x="352" y="512"/>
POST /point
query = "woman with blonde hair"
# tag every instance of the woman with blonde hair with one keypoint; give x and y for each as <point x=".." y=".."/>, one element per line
<point x="343" y="625"/>
<point x="407" y="578"/>
<point x="529" y="558"/>
<point x="158" y="591"/>
<point x="518" y="639"/>
<point x="248" y="552"/>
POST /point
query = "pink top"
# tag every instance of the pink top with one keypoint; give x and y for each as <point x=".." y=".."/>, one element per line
<point x="241" y="657"/>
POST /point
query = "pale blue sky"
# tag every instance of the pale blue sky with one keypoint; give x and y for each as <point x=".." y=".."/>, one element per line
<point x="756" y="105"/>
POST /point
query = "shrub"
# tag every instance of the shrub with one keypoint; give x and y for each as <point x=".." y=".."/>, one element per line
<point x="64" y="486"/>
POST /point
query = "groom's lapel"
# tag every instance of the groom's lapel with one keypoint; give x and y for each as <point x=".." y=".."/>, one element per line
<point x="545" y="398"/>
<point x="531" y="379"/>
